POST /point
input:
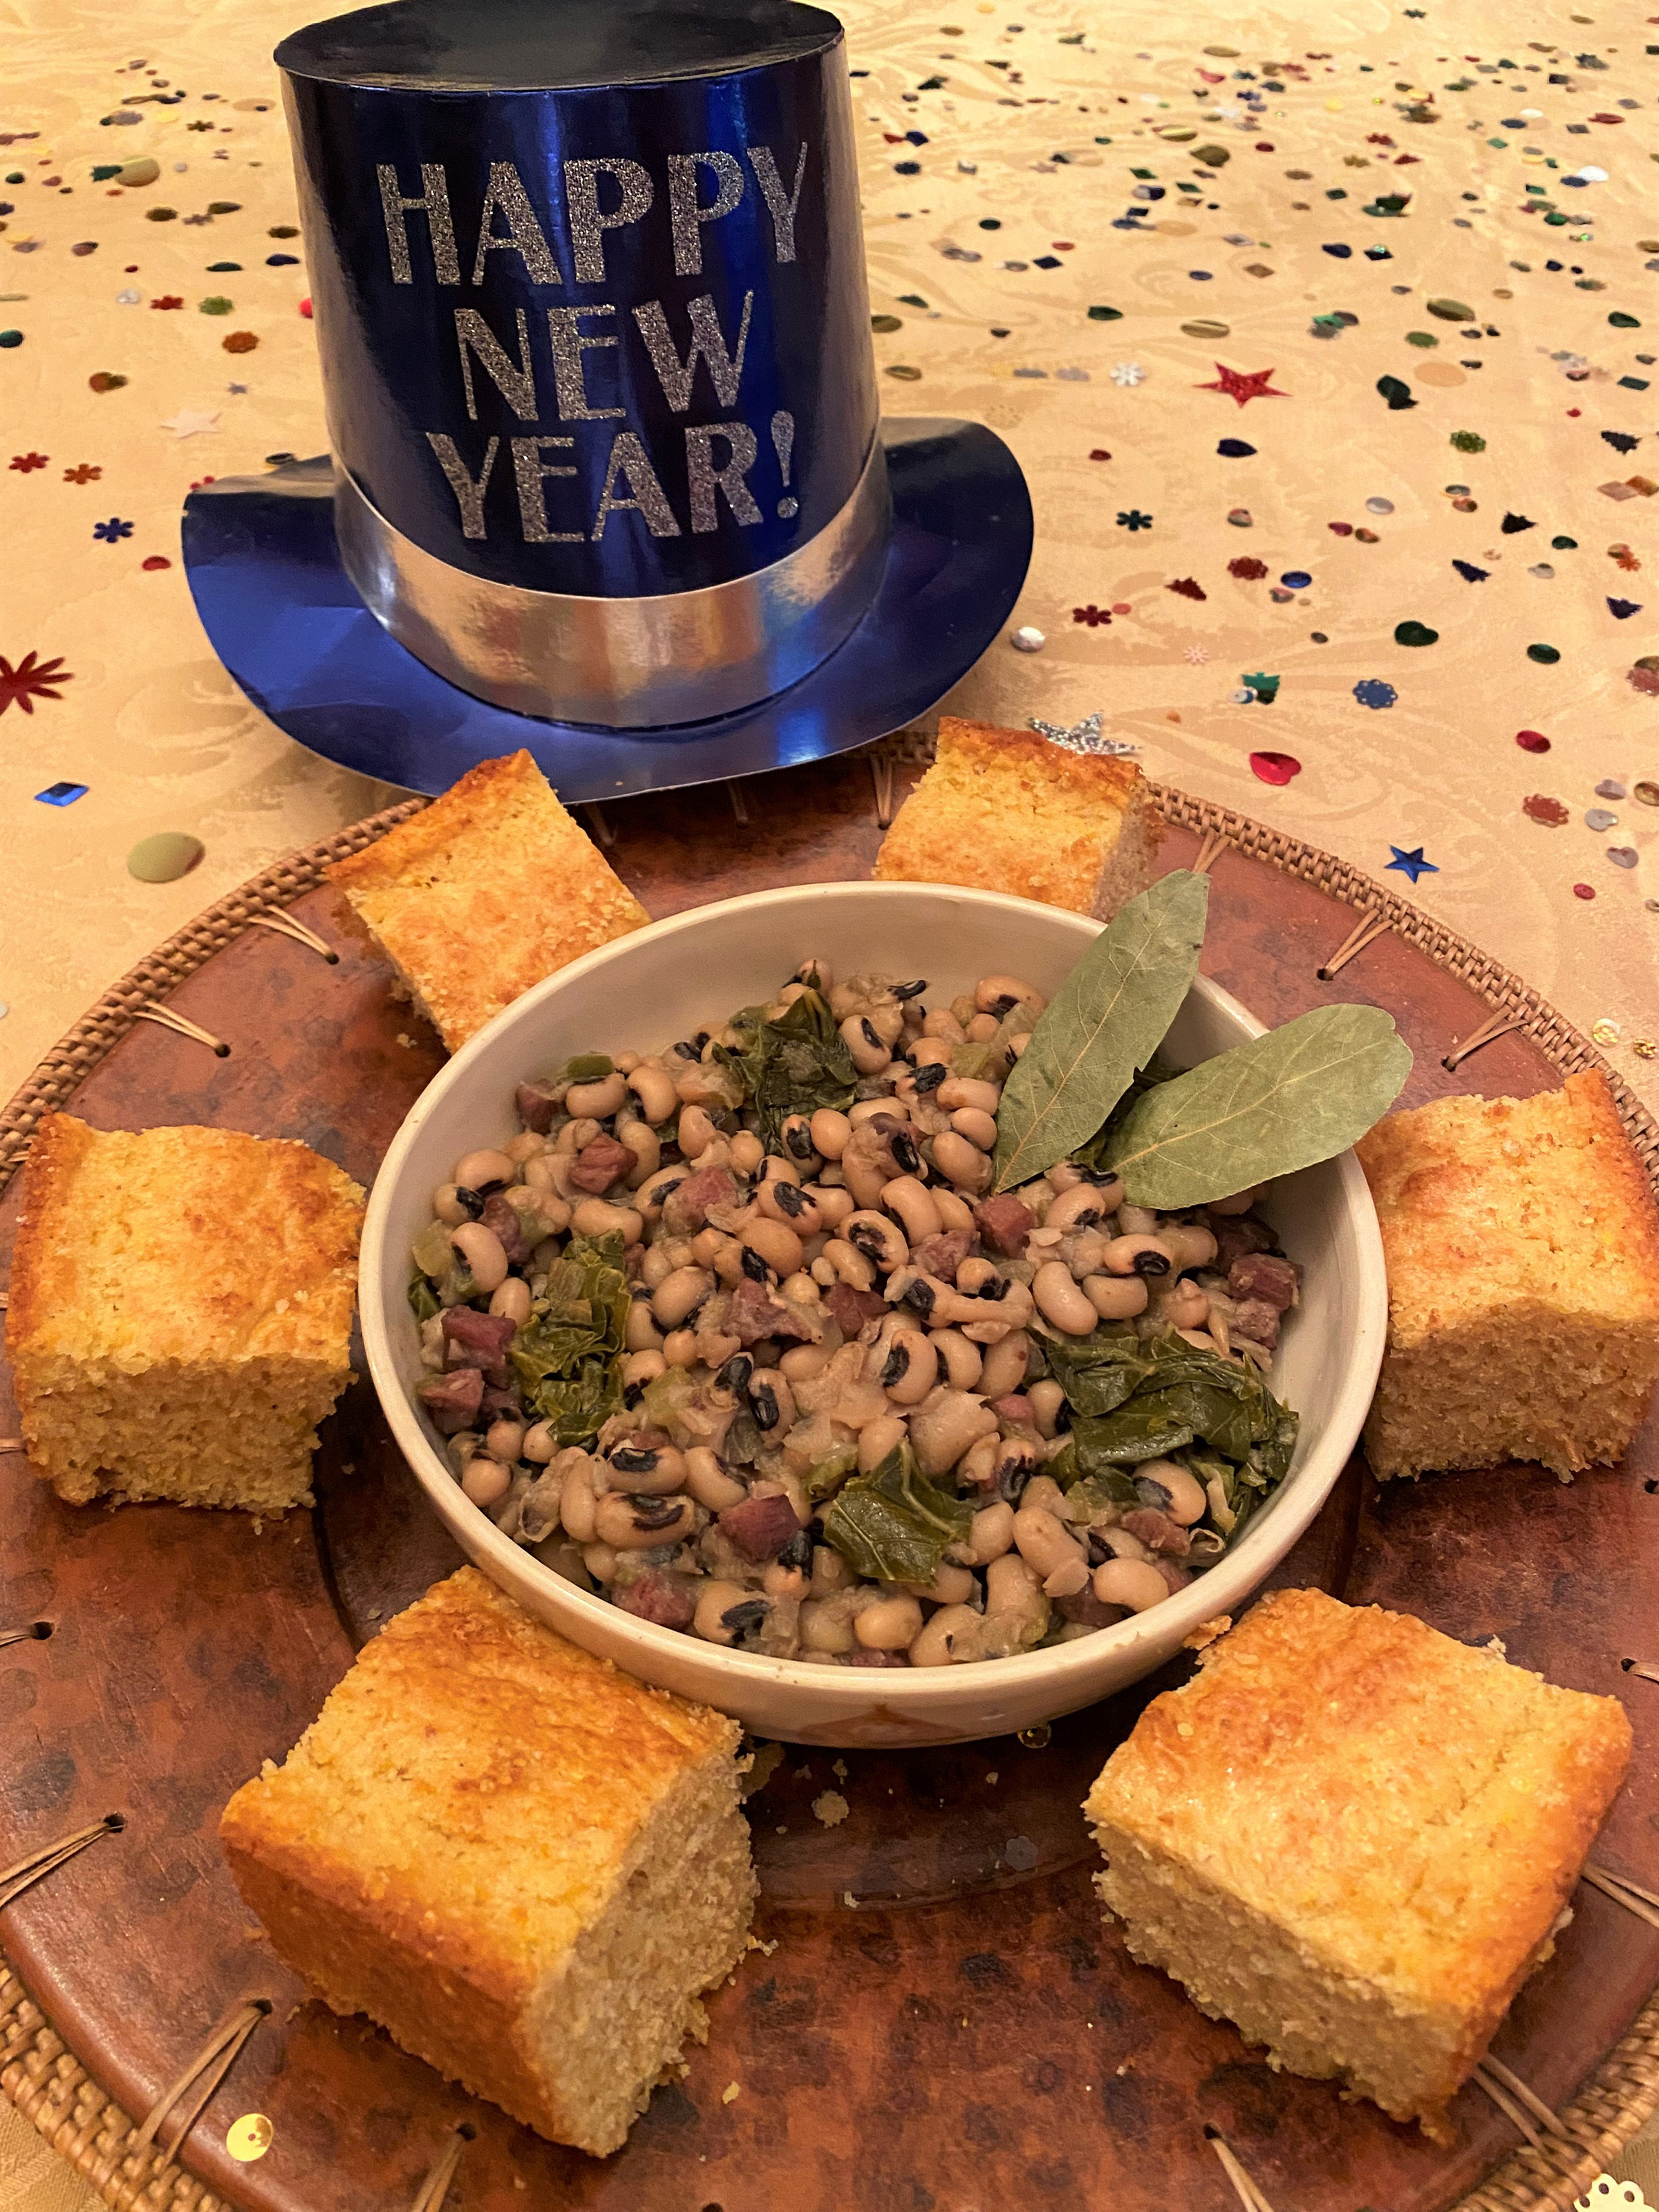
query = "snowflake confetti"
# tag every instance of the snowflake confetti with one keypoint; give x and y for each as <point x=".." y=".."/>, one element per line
<point x="1083" y="737"/>
<point x="1127" y="373"/>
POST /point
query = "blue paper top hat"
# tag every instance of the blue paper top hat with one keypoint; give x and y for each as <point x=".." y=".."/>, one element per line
<point x="594" y="334"/>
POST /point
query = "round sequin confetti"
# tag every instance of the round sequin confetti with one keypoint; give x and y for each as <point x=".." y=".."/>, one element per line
<point x="1643" y="1048"/>
<point x="244" y="342"/>
<point x="1599" y="818"/>
<point x="1610" y="788"/>
<point x="1547" y="655"/>
<point x="9" y="338"/>
<point x="143" y="171"/>
<point x="104" y="380"/>
<point x="1541" y="808"/>
<point x="1296" y="580"/>
<point x="1647" y="793"/>
<point x="249" y="2138"/>
<point x="1379" y="506"/>
<point x="164" y="857"/>
<point x="1584" y="891"/>
<point x="1240" y="517"/>
<point x="1275" y="768"/>
<point x="1622" y="856"/>
<point x="1605" y="1031"/>
<point x="1533" y="741"/>
<point x="1372" y="691"/>
<point x="1415" y="633"/>
<point x="1027" y="640"/>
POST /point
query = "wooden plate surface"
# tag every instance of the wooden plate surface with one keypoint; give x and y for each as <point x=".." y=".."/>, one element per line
<point x="939" y="2021"/>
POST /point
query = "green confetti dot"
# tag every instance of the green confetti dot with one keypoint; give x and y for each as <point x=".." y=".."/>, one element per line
<point x="905" y="374"/>
<point x="1450" y="310"/>
<point x="1415" y="633"/>
<point x="1622" y="322"/>
<point x="161" y="215"/>
<point x="1468" y="441"/>
<point x="1421" y="338"/>
<point x="1564" y="544"/>
<point x="9" y="338"/>
<point x="886" y="323"/>
<point x="1547" y="655"/>
<point x="1105" y="314"/>
<point x="216" y="304"/>
<point x="165" y="857"/>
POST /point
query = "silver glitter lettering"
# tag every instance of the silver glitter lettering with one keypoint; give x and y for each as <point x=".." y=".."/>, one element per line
<point x="783" y="208"/>
<point x="434" y="204"/>
<point x="708" y="343"/>
<point x="629" y="461"/>
<point x="706" y="479"/>
<point x="514" y="380"/>
<point x="686" y="217"/>
<point x="532" y="472"/>
<point x="469" y="495"/>
<point x="570" y="342"/>
<point x="525" y="236"/>
<point x="587" y="225"/>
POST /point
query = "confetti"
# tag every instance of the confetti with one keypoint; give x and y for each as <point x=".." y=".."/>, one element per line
<point x="31" y="679"/>
<point x="1027" y="640"/>
<point x="164" y="857"/>
<point x="1550" y="811"/>
<point x="61" y="794"/>
<point x="1411" y="864"/>
<point x="1372" y="691"/>
<point x="1243" y="388"/>
<point x="1532" y="741"/>
<point x="1415" y="633"/>
<point x="1275" y="768"/>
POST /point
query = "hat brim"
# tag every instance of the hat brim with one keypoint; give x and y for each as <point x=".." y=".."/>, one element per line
<point x="289" y="624"/>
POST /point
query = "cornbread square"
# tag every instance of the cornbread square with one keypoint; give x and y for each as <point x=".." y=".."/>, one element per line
<point x="490" y="888"/>
<point x="180" y="1312"/>
<point x="1522" y="1248"/>
<point x="1353" y="1838"/>
<point x="1007" y="811"/>
<point x="525" y="1865"/>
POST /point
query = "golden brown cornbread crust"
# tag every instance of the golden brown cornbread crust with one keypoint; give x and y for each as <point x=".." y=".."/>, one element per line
<point x="1406" y="1813"/>
<point x="1007" y="811"/>
<point x="173" y="1260"/>
<point x="1522" y="1241"/>
<point x="486" y="891"/>
<point x="464" y="1807"/>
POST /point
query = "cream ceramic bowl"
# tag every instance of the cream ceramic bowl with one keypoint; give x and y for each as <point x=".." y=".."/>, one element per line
<point x="693" y="970"/>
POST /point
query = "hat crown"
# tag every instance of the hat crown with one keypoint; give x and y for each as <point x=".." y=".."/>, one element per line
<point x="588" y="282"/>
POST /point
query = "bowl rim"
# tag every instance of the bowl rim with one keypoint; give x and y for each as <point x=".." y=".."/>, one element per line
<point x="912" y="1692"/>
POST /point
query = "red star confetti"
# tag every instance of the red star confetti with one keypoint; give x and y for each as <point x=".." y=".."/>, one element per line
<point x="24" y="463"/>
<point x="32" y="679"/>
<point x="1241" y="387"/>
<point x="1189" y="586"/>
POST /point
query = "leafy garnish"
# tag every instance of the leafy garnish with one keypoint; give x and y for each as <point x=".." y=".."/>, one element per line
<point x="1302" y="1093"/>
<point x="794" y="1064"/>
<point x="1104" y="1023"/>
<point x="1098" y="1372"/>
<point x="892" y="1525"/>
<point x="422" y="1299"/>
<point x="568" y="1354"/>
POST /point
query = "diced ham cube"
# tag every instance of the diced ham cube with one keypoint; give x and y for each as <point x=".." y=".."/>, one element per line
<point x="943" y="1255"/>
<point x="1256" y="1319"/>
<point x="1264" y="1275"/>
<point x="1005" y="1224"/>
<point x="601" y="1163"/>
<point x="755" y="1312"/>
<point x="1235" y="1235"/>
<point x="453" y="1399"/>
<point x="536" y="1107"/>
<point x="863" y="1658"/>
<point x="1157" y="1532"/>
<point x="761" y="1526"/>
<point x="499" y="1216"/>
<point x="1087" y="1608"/>
<point x="686" y="1209"/>
<point x="1016" y="1410"/>
<point x="850" y="1309"/>
<point x="653" y="1596"/>
<point x="484" y="1338"/>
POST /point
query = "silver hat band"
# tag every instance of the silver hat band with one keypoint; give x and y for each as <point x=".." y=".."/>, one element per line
<point x="624" y="663"/>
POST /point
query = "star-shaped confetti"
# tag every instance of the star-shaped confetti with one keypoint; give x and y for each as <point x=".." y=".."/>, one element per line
<point x="1241" y="387"/>
<point x="1083" y="737"/>
<point x="1132" y="519"/>
<point x="112" y="532"/>
<point x="83" y="472"/>
<point x="30" y="680"/>
<point x="192" y="421"/>
<point x="1411" y="864"/>
<point x="26" y="463"/>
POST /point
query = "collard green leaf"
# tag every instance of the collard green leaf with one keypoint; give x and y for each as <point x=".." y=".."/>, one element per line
<point x="1146" y="1427"/>
<point x="794" y="1064"/>
<point x="1300" y="1094"/>
<point x="1099" y="1371"/>
<point x="422" y="1299"/>
<point x="1103" y="1024"/>
<point x="891" y="1525"/>
<point x="568" y="1354"/>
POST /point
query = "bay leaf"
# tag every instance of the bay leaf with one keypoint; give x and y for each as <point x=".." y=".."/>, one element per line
<point x="1103" y="1024"/>
<point x="1300" y="1094"/>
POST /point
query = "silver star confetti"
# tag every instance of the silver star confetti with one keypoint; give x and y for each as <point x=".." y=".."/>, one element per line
<point x="1083" y="737"/>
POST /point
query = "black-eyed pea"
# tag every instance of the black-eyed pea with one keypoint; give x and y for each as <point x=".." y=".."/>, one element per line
<point x="877" y="1438"/>
<point x="651" y="1194"/>
<point x="709" y="1483"/>
<point x="831" y="1130"/>
<point x="1138" y="1253"/>
<point x="597" y="1217"/>
<point x="830" y="1572"/>
<point x="1240" y="1202"/>
<point x="881" y="1241"/>
<point x="949" y="1636"/>
<point x="1183" y="1305"/>
<point x="695" y="1131"/>
<point x="747" y="1152"/>
<point x="1190" y="1243"/>
<point x="510" y="1301"/>
<point x="504" y="1438"/>
<point x="1002" y="1317"/>
<point x="800" y="1289"/>
<point x="641" y="1332"/>
<point x="979" y="1129"/>
<point x="850" y="1264"/>
<point x="640" y="1523"/>
<point x="1011" y="1584"/>
<point x="958" y="1091"/>
<point x="1045" y="1494"/>
<point x="1186" y="1494"/>
<point x="941" y="1022"/>
<point x="524" y="1147"/>
<point x="642" y="1140"/>
<point x="833" y="1206"/>
<point x="714" y="1601"/>
<point x="826" y="1625"/>
<point x="951" y="1585"/>
<point x="447" y="1205"/>
<point x="990" y="1533"/>
<point x="1082" y="1207"/>
<point x="483" y="1253"/>
<point x="1059" y="1300"/>
<point x="781" y="1199"/>
<point x="1134" y="1583"/>
<point x="539" y="1444"/>
<point x="1116" y="1298"/>
<point x="776" y="1244"/>
<point x="576" y="1135"/>
<point x="728" y="1263"/>
<point x="795" y="1136"/>
<point x="678" y="1295"/>
<point x="943" y="1430"/>
<point x="485" y="1481"/>
<point x="1069" y="1580"/>
<point x="977" y="1468"/>
<point x="579" y="1499"/>
<point x="912" y="1203"/>
<point x="654" y="1088"/>
<point x="601" y="1561"/>
<point x="930" y="1051"/>
<point x="778" y="1580"/>
<point x="485" y="1170"/>
<point x="1045" y="1400"/>
<point x="1004" y="1370"/>
<point x="888" y="1624"/>
<point x="771" y="1403"/>
<point x="981" y="1029"/>
<point x="645" y="1466"/>
<point x="1137" y="1220"/>
<point x="1064" y="1174"/>
<point x="643" y="1366"/>
<point x="1001" y="994"/>
<point x="679" y="1347"/>
<point x="961" y="1164"/>
<point x="864" y="1040"/>
<point x="596" y="1101"/>
<point x="962" y="1362"/>
<point x="974" y="1275"/>
<point x="802" y="1361"/>
<point x="953" y="1211"/>
<point x="908" y="1367"/>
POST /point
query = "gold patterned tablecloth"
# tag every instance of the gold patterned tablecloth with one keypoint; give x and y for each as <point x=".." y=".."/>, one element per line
<point x="1100" y="232"/>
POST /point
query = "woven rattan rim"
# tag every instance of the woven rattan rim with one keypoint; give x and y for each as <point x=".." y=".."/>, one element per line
<point x="54" y="2092"/>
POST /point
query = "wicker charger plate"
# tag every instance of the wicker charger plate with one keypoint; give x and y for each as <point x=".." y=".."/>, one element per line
<point x="976" y="2035"/>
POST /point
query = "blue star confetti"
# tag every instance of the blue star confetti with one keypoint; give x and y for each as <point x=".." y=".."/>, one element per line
<point x="1411" y="864"/>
